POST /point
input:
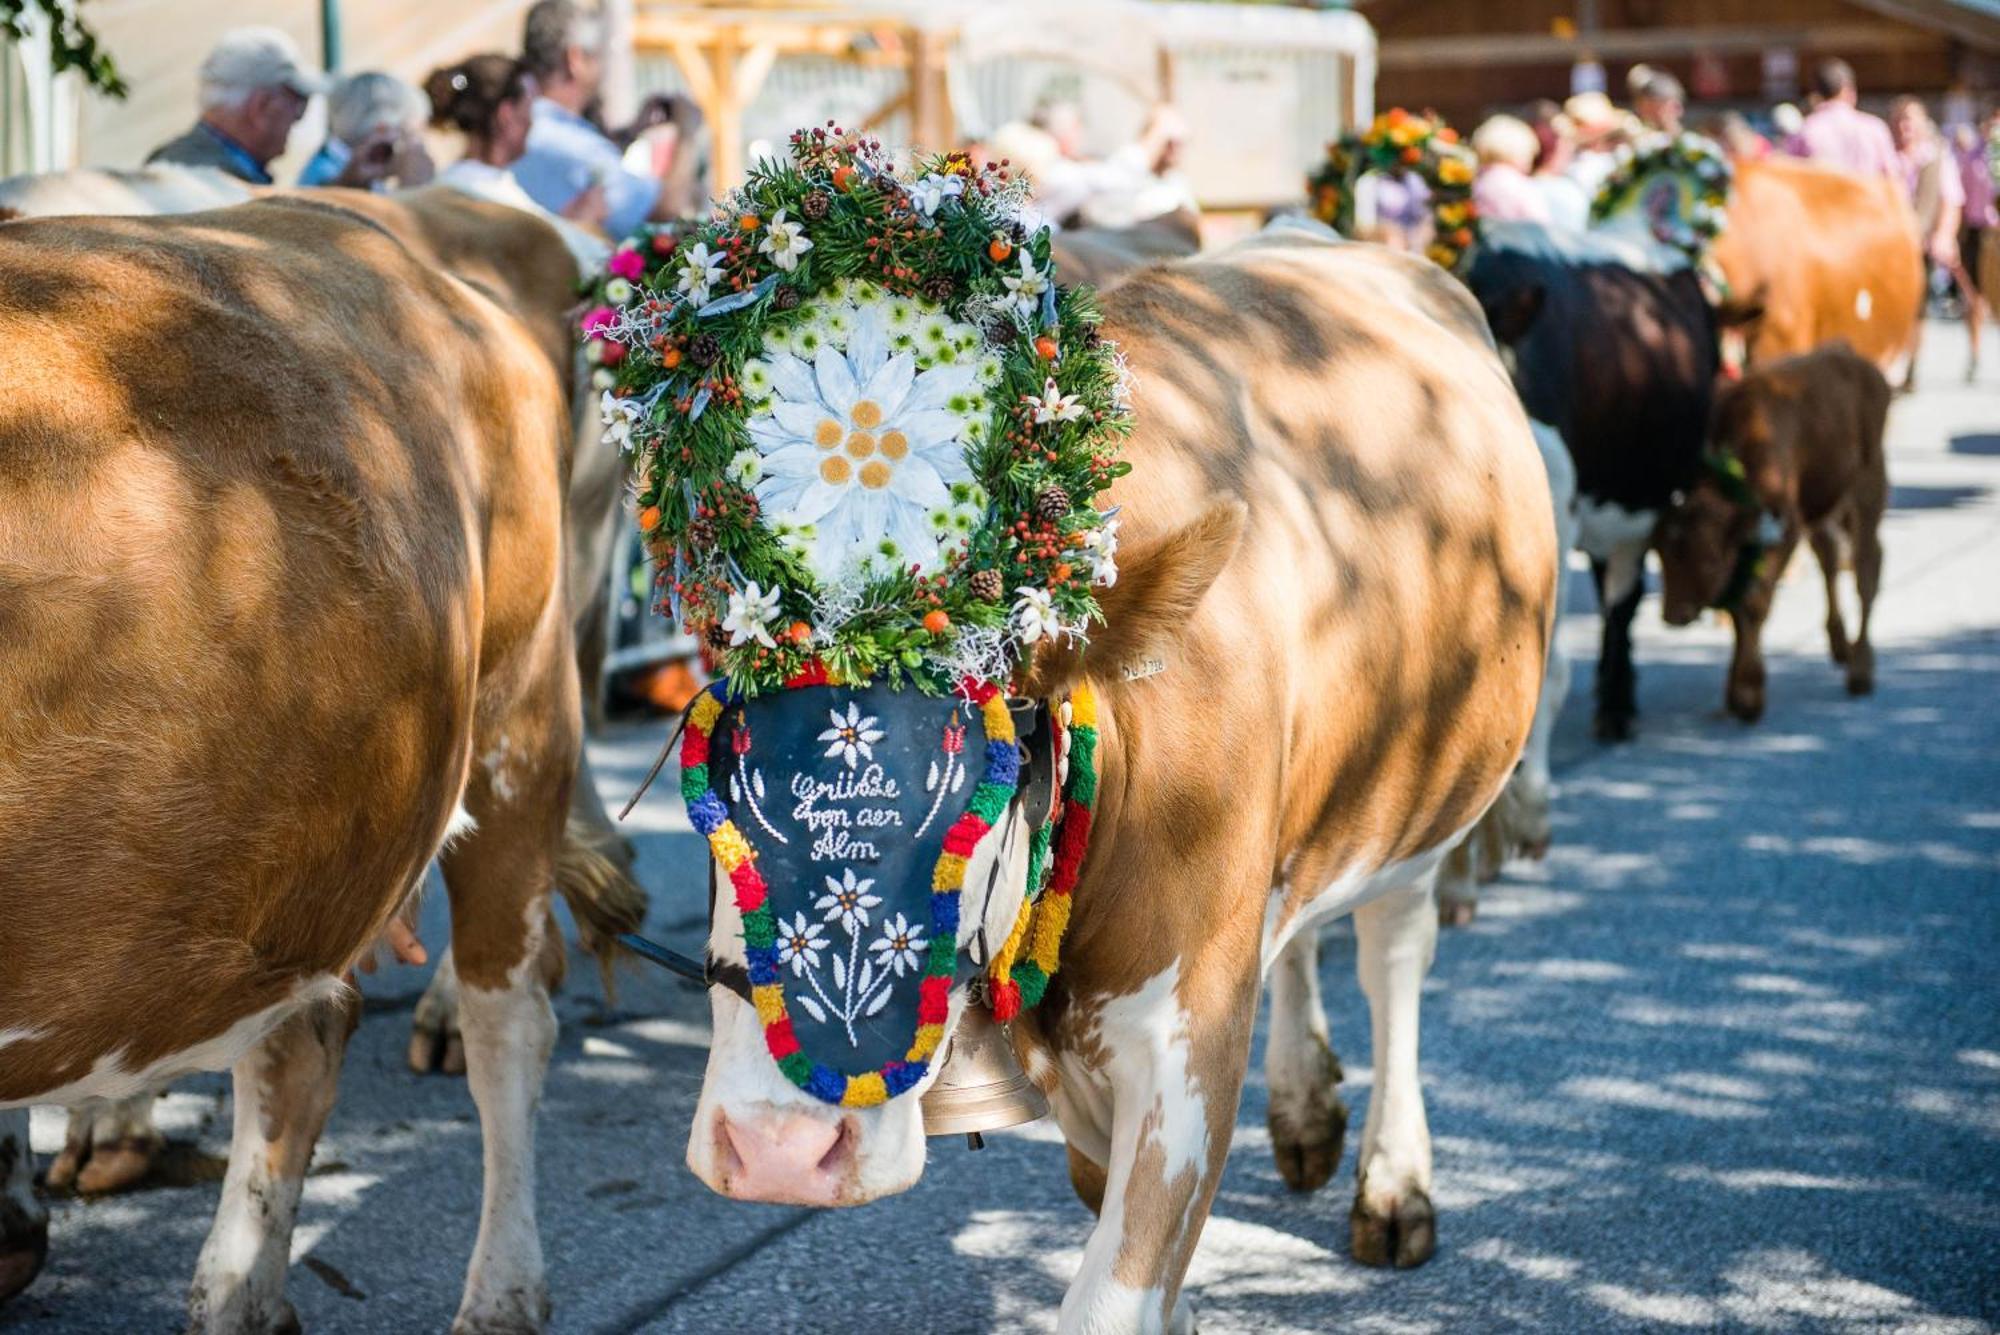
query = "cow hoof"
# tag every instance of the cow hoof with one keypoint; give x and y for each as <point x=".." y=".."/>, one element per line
<point x="1537" y="851"/>
<point x="1861" y="670"/>
<point x="1859" y="685"/>
<point x="280" y="1319"/>
<point x="118" y="1167"/>
<point x="1307" y="1145"/>
<point x="21" y="1256"/>
<point x="1457" y="912"/>
<point x="436" y="1050"/>
<point x="1616" y="728"/>
<point x="520" y="1311"/>
<point x="1404" y="1237"/>
<point x="1747" y="705"/>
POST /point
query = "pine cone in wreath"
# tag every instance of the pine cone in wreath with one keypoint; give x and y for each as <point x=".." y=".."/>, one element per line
<point x="1052" y="503"/>
<point x="815" y="205"/>
<point x="939" y="288"/>
<point x="703" y="349"/>
<point x="987" y="586"/>
<point x="1092" y="336"/>
<point x="701" y="534"/>
<point x="716" y="637"/>
<point x="787" y="298"/>
<point x="1000" y="331"/>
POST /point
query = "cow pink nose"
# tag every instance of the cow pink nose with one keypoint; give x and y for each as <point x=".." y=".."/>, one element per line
<point x="788" y="1158"/>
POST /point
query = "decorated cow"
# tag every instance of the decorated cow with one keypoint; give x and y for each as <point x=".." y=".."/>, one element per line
<point x="1007" y="733"/>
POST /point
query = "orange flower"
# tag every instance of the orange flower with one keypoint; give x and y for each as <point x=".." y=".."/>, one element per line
<point x="649" y="519"/>
<point x="749" y="222"/>
<point x="843" y="176"/>
<point x="1413" y="155"/>
<point x="799" y="632"/>
<point x="1046" y="346"/>
<point x="999" y="249"/>
<point x="670" y="358"/>
<point x="936" y="621"/>
<point x="1446" y="133"/>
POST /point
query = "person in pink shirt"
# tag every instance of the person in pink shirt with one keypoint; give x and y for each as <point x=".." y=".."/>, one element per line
<point x="1978" y="230"/>
<point x="1503" y="191"/>
<point x="1840" y="134"/>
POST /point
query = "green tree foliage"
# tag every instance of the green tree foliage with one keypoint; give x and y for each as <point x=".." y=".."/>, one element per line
<point x="72" y="45"/>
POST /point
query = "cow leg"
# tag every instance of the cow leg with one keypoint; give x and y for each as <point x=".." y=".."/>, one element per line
<point x="1867" y="581"/>
<point x="1825" y="541"/>
<point x="283" y="1090"/>
<point x="1175" y="1079"/>
<point x="1457" y="885"/>
<point x="108" y="1146"/>
<point x="1392" y="1220"/>
<point x="24" y="1220"/>
<point x="1745" y="694"/>
<point x="1307" y="1120"/>
<point x="1617" y="679"/>
<point x="435" y="1041"/>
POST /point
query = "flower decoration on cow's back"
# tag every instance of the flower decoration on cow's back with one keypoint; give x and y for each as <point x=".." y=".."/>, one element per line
<point x="1677" y="186"/>
<point x="869" y="424"/>
<point x="634" y="264"/>
<point x="1400" y="142"/>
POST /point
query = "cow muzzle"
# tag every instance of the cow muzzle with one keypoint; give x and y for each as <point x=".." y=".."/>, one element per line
<point x="784" y="1157"/>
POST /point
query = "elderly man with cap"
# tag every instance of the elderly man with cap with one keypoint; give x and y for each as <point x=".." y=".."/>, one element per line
<point x="253" y="91"/>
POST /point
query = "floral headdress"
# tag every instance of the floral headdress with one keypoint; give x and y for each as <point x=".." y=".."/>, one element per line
<point x="868" y="423"/>
<point x="1398" y="142"/>
<point x="1678" y="185"/>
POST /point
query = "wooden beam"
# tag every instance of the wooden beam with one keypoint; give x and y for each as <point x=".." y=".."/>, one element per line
<point x="1642" y="43"/>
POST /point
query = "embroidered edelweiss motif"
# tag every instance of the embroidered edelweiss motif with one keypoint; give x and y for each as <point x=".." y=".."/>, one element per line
<point x="847" y="900"/>
<point x="799" y="944"/>
<point x="852" y="735"/>
<point x="900" y="945"/>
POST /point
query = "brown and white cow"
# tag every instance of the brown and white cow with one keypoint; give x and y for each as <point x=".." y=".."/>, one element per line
<point x="282" y="619"/>
<point x="1826" y="255"/>
<point x="1340" y="547"/>
<point x="1796" y="449"/>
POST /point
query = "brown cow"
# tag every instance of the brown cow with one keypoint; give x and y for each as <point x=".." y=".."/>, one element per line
<point x="1796" y="448"/>
<point x="1827" y="255"/>
<point x="1101" y="256"/>
<point x="1342" y="556"/>
<point x="282" y="618"/>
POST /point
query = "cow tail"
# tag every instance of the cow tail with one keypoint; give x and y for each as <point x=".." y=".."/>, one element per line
<point x="594" y="875"/>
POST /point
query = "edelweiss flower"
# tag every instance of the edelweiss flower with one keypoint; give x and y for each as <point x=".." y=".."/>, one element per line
<point x="1100" y="548"/>
<point x="1027" y="287"/>
<point x="862" y="445"/>
<point x="784" y="242"/>
<point x="847" y="900"/>
<point x="1056" y="406"/>
<point x="853" y="736"/>
<point x="619" y="416"/>
<point x="933" y="190"/>
<point x="899" y="946"/>
<point x="701" y="269"/>
<point x="1035" y="616"/>
<point x="799" y="944"/>
<point x="750" y="614"/>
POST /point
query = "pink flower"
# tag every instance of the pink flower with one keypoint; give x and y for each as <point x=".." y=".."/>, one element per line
<point x="596" y="318"/>
<point x="626" y="263"/>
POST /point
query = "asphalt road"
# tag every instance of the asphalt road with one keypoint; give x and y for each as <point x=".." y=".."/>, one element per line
<point x="1728" y="1059"/>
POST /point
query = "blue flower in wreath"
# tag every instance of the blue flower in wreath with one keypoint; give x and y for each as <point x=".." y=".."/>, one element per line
<point x="847" y="900"/>
<point x="799" y="944"/>
<point x="900" y="946"/>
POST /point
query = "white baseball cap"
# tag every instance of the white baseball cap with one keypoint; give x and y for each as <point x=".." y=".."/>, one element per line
<point x="248" y="58"/>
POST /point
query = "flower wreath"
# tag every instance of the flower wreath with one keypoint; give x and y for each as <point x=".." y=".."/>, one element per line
<point x="1397" y="141"/>
<point x="640" y="261"/>
<point x="1679" y="184"/>
<point x="869" y="425"/>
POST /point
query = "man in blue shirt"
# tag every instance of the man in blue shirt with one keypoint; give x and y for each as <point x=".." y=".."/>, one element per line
<point x="253" y="91"/>
<point x="562" y="45"/>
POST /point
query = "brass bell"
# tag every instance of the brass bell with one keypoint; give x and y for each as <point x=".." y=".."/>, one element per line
<point x="981" y="1087"/>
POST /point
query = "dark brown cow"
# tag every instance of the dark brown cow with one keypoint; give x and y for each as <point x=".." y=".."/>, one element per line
<point x="282" y="619"/>
<point x="1827" y="255"/>
<point x="1101" y="256"/>
<point x="1796" y="448"/>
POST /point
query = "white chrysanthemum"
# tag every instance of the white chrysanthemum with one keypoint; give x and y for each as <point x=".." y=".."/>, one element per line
<point x="745" y="467"/>
<point x="755" y="379"/>
<point x="618" y="291"/>
<point x="863" y="445"/>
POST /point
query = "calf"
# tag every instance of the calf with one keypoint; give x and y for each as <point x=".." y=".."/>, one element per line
<point x="1621" y="362"/>
<point x="1796" y="448"/>
<point x="1317" y="669"/>
<point x="281" y="619"/>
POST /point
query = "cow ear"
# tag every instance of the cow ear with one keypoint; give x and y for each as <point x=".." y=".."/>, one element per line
<point x="1737" y="312"/>
<point x="1515" y="313"/>
<point x="1160" y="583"/>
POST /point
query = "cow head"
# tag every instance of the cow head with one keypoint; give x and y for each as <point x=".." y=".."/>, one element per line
<point x="1710" y="539"/>
<point x="766" y="1131"/>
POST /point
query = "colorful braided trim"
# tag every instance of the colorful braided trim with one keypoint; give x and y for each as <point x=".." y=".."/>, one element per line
<point x="760" y="930"/>
<point x="1016" y="983"/>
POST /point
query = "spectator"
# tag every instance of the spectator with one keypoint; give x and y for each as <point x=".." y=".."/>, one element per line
<point x="1658" y="98"/>
<point x="490" y="99"/>
<point x="1839" y="134"/>
<point x="1978" y="232"/>
<point x="1503" y="192"/>
<point x="1599" y="128"/>
<point x="1740" y="139"/>
<point x="1936" y="189"/>
<point x="1555" y="140"/>
<point x="375" y="135"/>
<point x="566" y="153"/>
<point x="253" y="91"/>
<point x="1787" y="122"/>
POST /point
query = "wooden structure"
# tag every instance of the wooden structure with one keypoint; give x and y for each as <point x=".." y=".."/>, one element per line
<point x="1467" y="58"/>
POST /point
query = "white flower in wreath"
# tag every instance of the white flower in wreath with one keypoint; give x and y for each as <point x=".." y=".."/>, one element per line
<point x="749" y="615"/>
<point x="799" y="944"/>
<point x="745" y="467"/>
<point x="900" y="946"/>
<point x="784" y="242"/>
<point x="934" y="190"/>
<point x="1056" y="406"/>
<point x="847" y="900"/>
<point x="701" y="269"/>
<point x="618" y="292"/>
<point x="1035" y="617"/>
<point x="853" y="735"/>
<point x="1027" y="286"/>
<point x="603" y="378"/>
<point x="1100" y="549"/>
<point x="620" y="416"/>
<point x="863" y="446"/>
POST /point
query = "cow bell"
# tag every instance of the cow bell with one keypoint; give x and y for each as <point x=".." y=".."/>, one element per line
<point x="981" y="1087"/>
